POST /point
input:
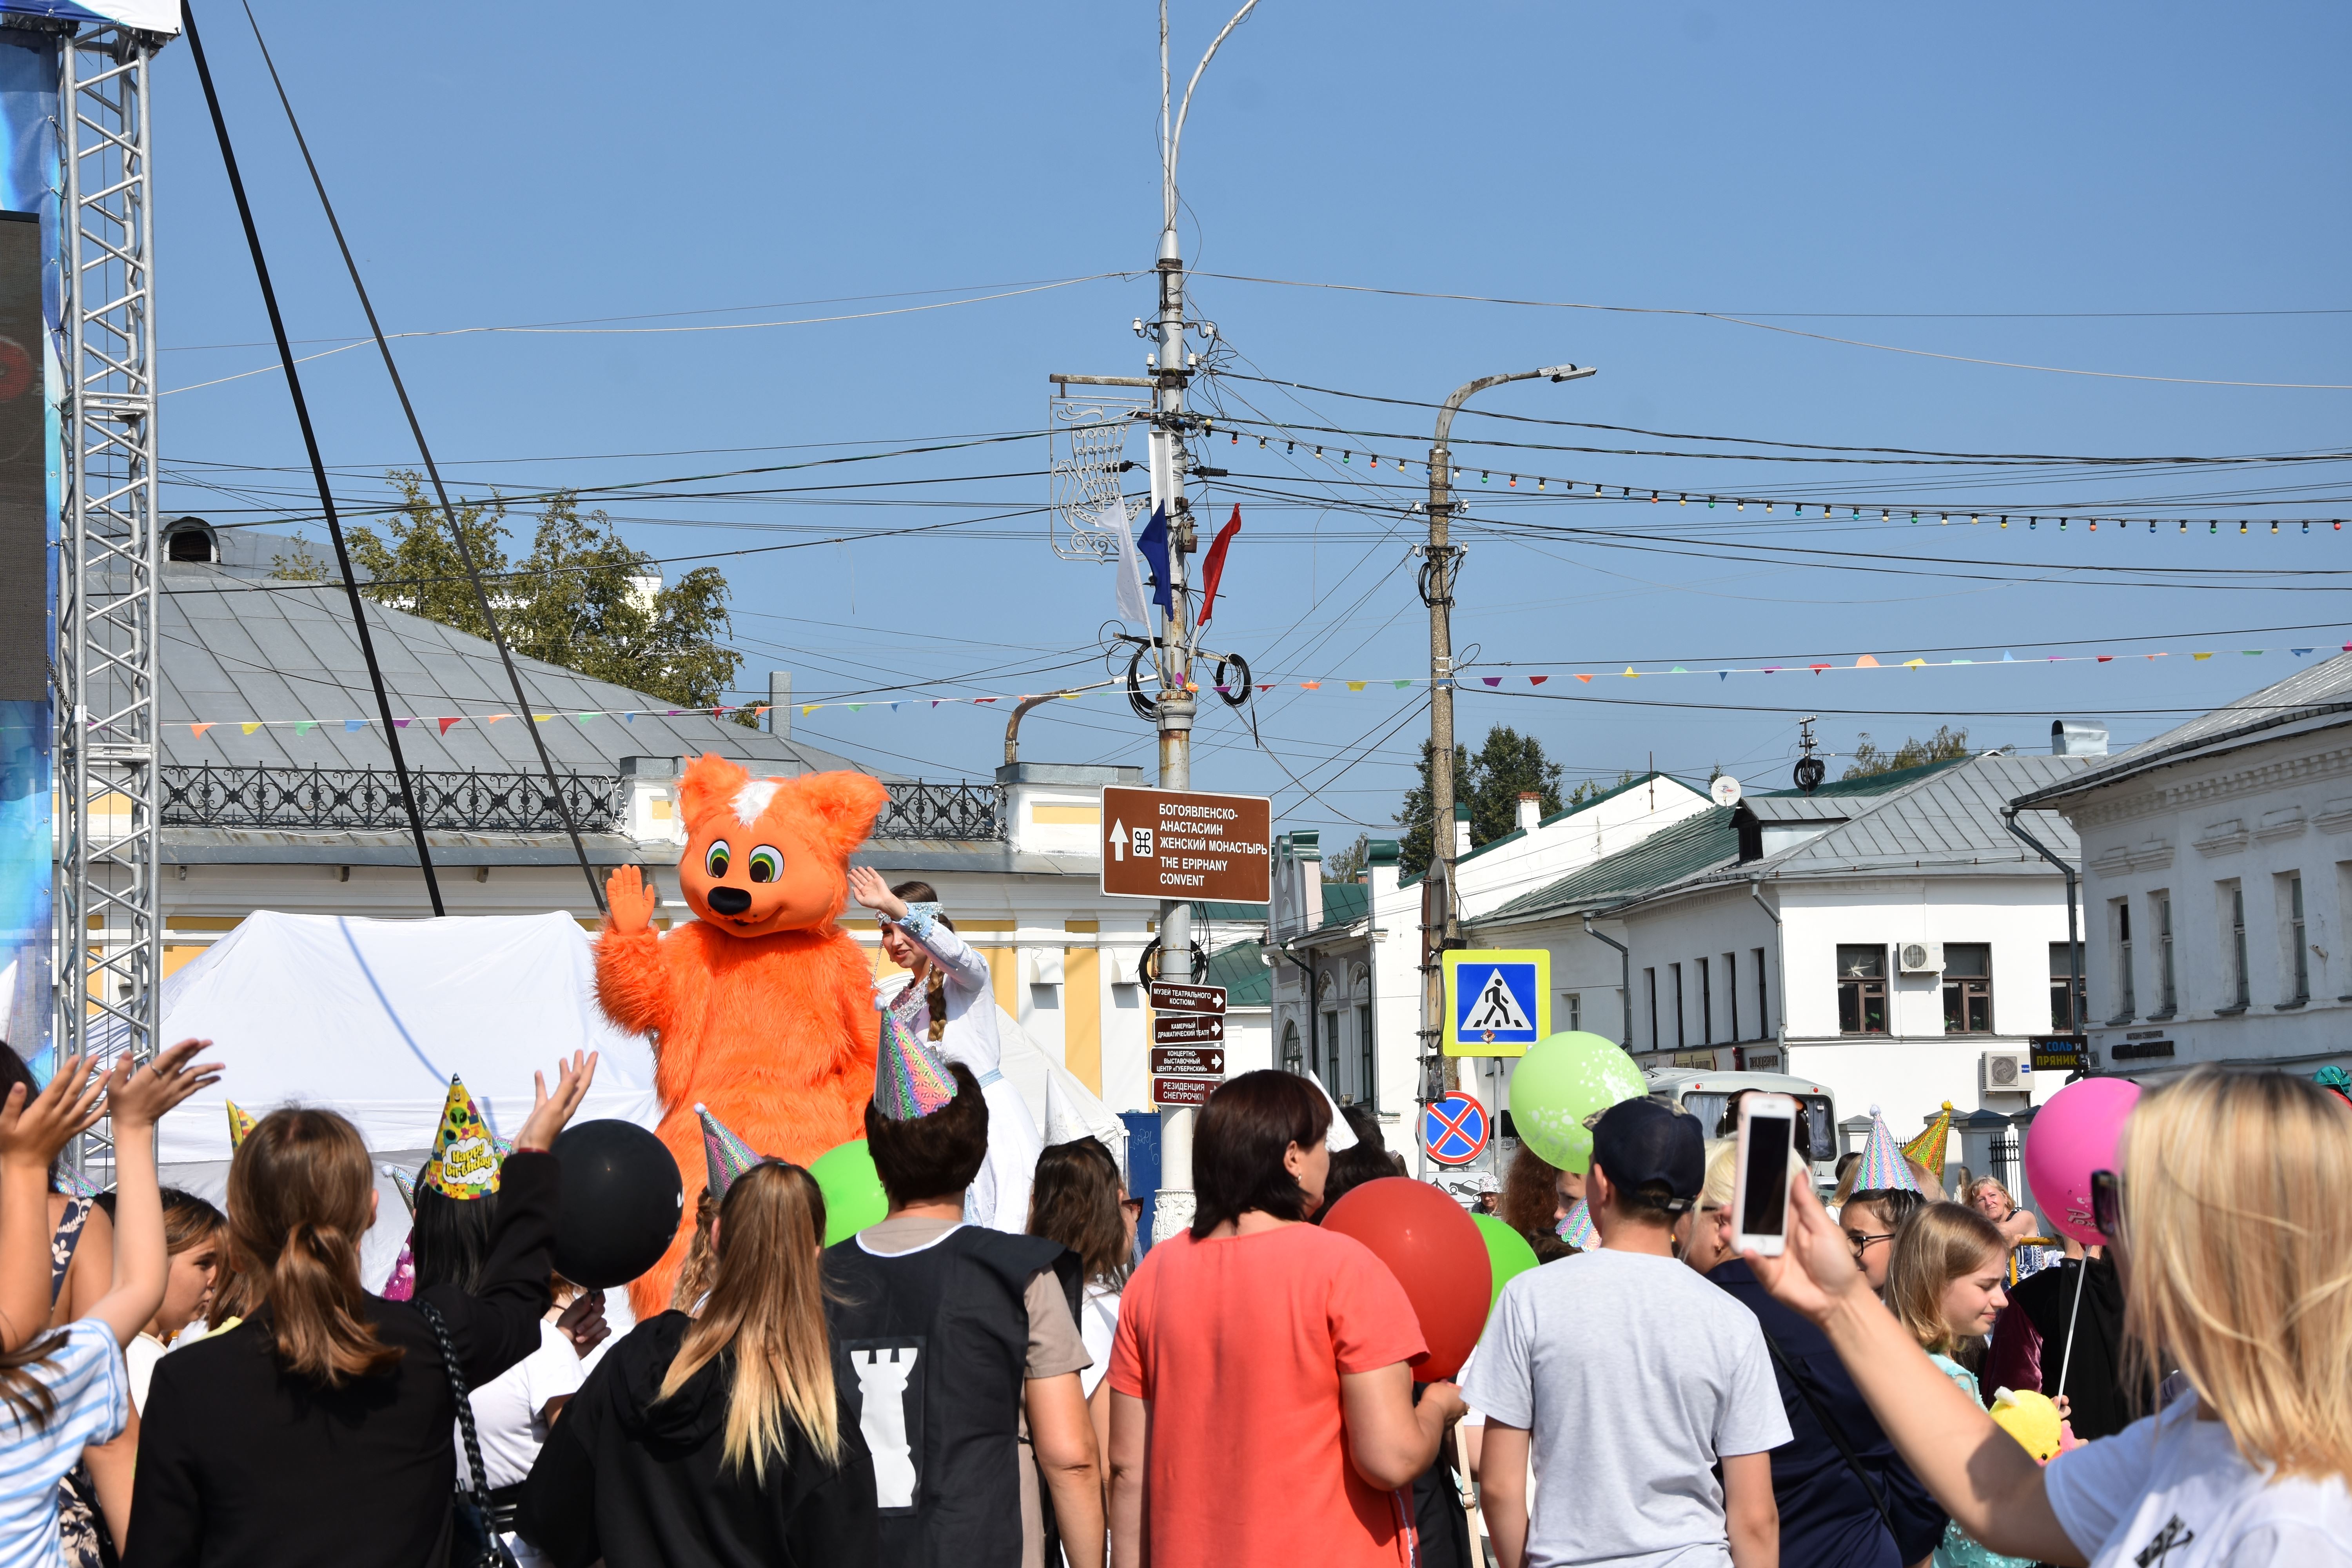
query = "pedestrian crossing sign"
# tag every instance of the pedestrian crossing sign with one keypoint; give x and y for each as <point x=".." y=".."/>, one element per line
<point x="1498" y="1000"/>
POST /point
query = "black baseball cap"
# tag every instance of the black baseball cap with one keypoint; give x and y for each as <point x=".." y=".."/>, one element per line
<point x="1638" y="1142"/>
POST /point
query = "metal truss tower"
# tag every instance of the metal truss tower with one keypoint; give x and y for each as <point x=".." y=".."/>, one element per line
<point x="108" y="894"/>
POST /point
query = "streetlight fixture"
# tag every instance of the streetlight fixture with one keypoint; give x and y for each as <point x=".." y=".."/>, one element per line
<point x="1441" y="923"/>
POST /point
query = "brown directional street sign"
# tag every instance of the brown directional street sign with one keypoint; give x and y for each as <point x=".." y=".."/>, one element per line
<point x="1182" y="843"/>
<point x="1183" y="1091"/>
<point x="1187" y="1029"/>
<point x="1168" y="996"/>
<point x="1190" y="1061"/>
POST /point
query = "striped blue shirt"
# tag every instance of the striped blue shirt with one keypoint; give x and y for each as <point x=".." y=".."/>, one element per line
<point x="86" y="1375"/>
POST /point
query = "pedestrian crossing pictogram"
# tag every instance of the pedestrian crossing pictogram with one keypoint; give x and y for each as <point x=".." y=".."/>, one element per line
<point x="1497" y="1001"/>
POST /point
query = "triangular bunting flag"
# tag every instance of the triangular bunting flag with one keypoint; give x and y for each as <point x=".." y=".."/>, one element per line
<point x="1356" y="685"/>
<point x="1537" y="679"/>
<point x="350" y="725"/>
<point x="250" y="725"/>
<point x="449" y="724"/>
<point x="1866" y="661"/>
<point x="197" y="730"/>
<point x="1586" y="678"/>
<point x="1915" y="664"/>
<point x="304" y="726"/>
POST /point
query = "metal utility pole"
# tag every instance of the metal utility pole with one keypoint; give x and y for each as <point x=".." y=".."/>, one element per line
<point x="1441" y="913"/>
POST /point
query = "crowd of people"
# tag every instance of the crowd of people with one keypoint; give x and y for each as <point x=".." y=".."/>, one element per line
<point x="185" y="1385"/>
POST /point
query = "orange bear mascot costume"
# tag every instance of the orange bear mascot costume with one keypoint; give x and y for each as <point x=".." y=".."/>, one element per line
<point x="762" y="1007"/>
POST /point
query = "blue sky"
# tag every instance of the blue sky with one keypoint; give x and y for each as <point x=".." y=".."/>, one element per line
<point x="1995" y="183"/>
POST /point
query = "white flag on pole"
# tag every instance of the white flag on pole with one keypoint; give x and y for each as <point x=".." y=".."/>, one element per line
<point x="1132" y="606"/>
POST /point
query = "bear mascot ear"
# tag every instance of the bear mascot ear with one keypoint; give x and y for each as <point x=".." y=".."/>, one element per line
<point x="709" y="787"/>
<point x="844" y="806"/>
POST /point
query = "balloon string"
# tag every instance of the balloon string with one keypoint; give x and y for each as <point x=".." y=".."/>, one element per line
<point x="2066" y="1359"/>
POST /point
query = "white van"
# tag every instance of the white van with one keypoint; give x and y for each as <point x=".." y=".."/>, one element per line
<point x="1706" y="1094"/>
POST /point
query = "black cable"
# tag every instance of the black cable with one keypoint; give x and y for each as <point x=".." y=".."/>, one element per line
<point x="318" y="468"/>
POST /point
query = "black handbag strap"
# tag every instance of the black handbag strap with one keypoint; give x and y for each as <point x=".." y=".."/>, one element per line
<point x="481" y="1487"/>
<point x="1836" y="1434"/>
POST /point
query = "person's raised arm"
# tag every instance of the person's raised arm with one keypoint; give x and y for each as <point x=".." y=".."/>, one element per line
<point x="1502" y="1490"/>
<point x="1984" y="1479"/>
<point x="1390" y="1438"/>
<point x="1062" y="1436"/>
<point x="137" y="1099"/>
<point x="1751" y="1514"/>
<point x="1131" y="1444"/>
<point x="33" y="1128"/>
<point x="954" y="956"/>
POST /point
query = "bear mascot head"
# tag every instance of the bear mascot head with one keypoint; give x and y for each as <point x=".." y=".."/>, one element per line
<point x="764" y="856"/>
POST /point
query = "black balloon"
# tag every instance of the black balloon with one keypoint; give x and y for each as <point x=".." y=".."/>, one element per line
<point x="622" y="1203"/>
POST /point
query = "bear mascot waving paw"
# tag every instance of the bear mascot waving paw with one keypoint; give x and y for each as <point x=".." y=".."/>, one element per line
<point x="762" y="1007"/>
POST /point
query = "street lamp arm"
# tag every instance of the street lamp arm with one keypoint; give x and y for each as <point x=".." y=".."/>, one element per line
<point x="1176" y="137"/>
<point x="1463" y="394"/>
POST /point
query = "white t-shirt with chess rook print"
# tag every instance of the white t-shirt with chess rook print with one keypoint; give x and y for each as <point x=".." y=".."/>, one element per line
<point x="2173" y="1491"/>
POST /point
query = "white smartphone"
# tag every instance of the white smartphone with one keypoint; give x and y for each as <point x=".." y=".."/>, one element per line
<point x="1759" y="1200"/>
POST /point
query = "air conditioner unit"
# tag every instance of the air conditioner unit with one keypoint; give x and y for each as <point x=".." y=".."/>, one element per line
<point x="2008" y="1072"/>
<point x="1919" y="957"/>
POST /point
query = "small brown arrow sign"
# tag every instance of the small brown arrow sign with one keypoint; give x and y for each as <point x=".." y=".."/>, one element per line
<point x="1183" y="1091"/>
<point x="1186" y="1029"/>
<point x="1171" y="996"/>
<point x="1189" y="1061"/>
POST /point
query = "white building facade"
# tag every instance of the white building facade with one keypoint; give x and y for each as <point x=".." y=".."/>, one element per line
<point x="2218" y="884"/>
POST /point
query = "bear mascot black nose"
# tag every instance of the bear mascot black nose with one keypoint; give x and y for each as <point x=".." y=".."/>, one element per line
<point x="730" y="901"/>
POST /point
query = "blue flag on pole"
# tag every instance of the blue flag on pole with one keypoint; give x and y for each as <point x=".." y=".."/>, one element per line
<point x="1153" y="543"/>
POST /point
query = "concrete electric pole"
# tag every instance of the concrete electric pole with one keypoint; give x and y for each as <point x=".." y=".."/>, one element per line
<point x="1441" y="914"/>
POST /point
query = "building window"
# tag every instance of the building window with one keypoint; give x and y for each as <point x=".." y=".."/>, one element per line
<point x="2126" y="994"/>
<point x="2233" y="916"/>
<point x="2168" y="996"/>
<point x="1367" y="1077"/>
<point x="1763" y="1002"/>
<point x="1323" y="1050"/>
<point x="1682" y="1036"/>
<point x="1706" y="1003"/>
<point x="2299" y="949"/>
<point x="1862" y="989"/>
<point x="1292" y="1061"/>
<point x="1650" y="981"/>
<point x="1731" y="993"/>
<point x="1968" y="989"/>
<point x="1572" y="1004"/>
<point x="2065" y="1017"/>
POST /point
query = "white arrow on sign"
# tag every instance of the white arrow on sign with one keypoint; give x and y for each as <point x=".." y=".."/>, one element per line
<point x="1119" y="840"/>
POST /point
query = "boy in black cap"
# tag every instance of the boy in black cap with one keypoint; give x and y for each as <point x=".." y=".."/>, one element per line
<point x="1633" y="1378"/>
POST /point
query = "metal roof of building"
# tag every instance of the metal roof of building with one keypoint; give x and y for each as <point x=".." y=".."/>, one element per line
<point x="2317" y="697"/>
<point x="1241" y="969"/>
<point x="234" y="649"/>
<point x="1665" y="856"/>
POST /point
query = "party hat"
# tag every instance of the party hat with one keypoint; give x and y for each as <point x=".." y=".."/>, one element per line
<point x="401" y="1284"/>
<point x="1576" y="1229"/>
<point x="465" y="1162"/>
<point x="240" y="1122"/>
<point x="2336" y="1079"/>
<point x="1342" y="1135"/>
<point x="726" y="1156"/>
<point x="73" y="1181"/>
<point x="403" y="1181"/>
<point x="1883" y="1166"/>
<point x="1927" y="1148"/>
<point x="911" y="1079"/>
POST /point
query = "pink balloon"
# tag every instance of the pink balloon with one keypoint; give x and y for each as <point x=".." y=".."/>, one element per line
<point x="2073" y="1134"/>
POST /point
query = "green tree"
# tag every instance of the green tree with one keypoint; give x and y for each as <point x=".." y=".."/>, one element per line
<point x="1489" y="783"/>
<point x="582" y="598"/>
<point x="1943" y="746"/>
<point x="1593" y="789"/>
<point x="1348" y="864"/>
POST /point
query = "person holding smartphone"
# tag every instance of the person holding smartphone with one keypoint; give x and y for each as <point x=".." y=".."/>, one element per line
<point x="1629" y="1425"/>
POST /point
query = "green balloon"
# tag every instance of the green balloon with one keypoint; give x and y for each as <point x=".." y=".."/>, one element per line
<point x="854" y="1198"/>
<point x="1508" y="1255"/>
<point x="1559" y="1083"/>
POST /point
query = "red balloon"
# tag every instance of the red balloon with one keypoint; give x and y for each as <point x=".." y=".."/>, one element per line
<point x="1434" y="1250"/>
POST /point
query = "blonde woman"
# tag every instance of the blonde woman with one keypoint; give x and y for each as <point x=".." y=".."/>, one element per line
<point x="2228" y="1217"/>
<point x="720" y="1438"/>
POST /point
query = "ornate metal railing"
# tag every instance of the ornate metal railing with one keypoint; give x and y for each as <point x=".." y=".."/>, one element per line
<point x="362" y="798"/>
<point x="921" y="810"/>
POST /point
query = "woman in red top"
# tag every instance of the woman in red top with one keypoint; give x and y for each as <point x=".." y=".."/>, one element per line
<point x="1262" y="1411"/>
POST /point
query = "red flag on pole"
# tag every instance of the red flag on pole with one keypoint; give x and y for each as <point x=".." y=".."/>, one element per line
<point x="1214" y="566"/>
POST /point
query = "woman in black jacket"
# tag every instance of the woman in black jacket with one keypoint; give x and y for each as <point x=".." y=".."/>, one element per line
<point x="318" y="1429"/>
<point x="720" y="1440"/>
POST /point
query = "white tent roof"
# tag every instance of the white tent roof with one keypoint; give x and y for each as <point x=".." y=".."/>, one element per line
<point x="372" y="1018"/>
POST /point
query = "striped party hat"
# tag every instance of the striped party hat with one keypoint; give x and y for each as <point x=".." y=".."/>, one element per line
<point x="1883" y="1166"/>
<point x="911" y="1079"/>
<point x="240" y="1122"/>
<point x="1928" y="1149"/>
<point x="466" y="1158"/>
<point x="1576" y="1229"/>
<point x="726" y="1156"/>
<point x="403" y="1181"/>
